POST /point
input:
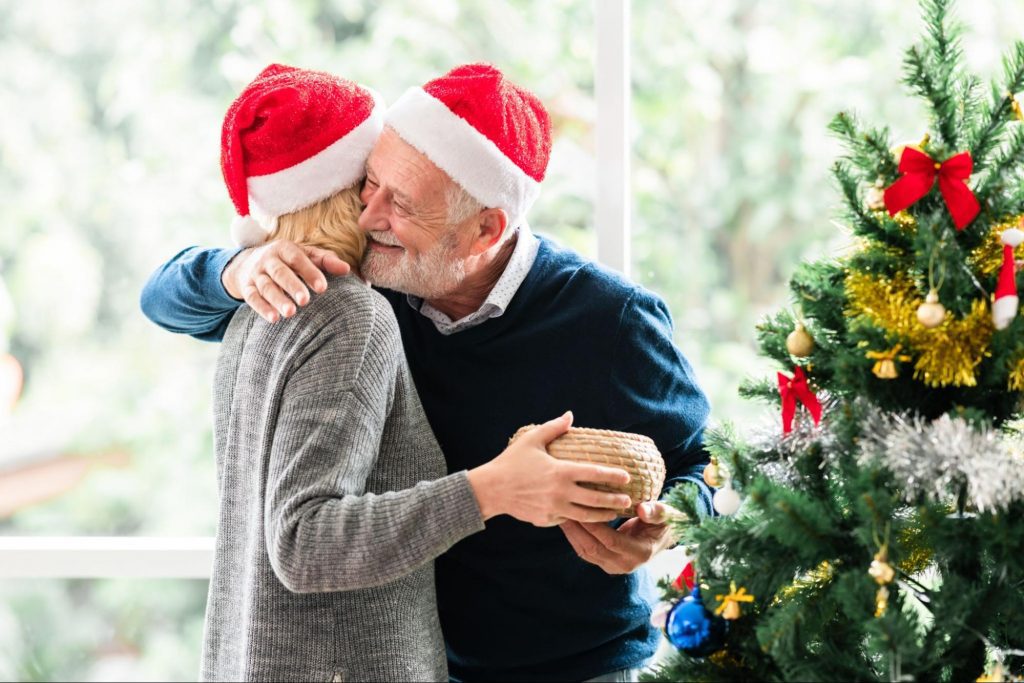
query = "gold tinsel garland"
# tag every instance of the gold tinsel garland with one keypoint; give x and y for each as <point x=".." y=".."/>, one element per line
<point x="815" y="579"/>
<point x="903" y="220"/>
<point x="988" y="257"/>
<point x="1016" y="380"/>
<point x="947" y="355"/>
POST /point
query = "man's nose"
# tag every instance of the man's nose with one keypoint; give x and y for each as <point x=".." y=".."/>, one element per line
<point x="374" y="215"/>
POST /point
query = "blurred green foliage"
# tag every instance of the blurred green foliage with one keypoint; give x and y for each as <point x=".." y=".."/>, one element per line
<point x="109" y="165"/>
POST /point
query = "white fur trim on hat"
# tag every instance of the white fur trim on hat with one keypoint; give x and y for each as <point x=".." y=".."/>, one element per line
<point x="463" y="152"/>
<point x="339" y="165"/>
<point x="1012" y="237"/>
<point x="246" y="231"/>
<point x="1004" y="310"/>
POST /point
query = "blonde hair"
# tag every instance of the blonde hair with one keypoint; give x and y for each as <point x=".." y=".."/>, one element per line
<point x="331" y="224"/>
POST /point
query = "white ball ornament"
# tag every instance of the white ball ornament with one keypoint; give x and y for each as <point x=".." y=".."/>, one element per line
<point x="875" y="198"/>
<point x="726" y="500"/>
<point x="931" y="313"/>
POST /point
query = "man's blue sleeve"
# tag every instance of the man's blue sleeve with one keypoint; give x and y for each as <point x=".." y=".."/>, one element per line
<point x="654" y="392"/>
<point x="186" y="296"/>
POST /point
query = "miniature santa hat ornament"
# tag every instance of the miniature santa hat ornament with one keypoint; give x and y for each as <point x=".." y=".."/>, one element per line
<point x="489" y="135"/>
<point x="293" y="138"/>
<point x="1004" y="308"/>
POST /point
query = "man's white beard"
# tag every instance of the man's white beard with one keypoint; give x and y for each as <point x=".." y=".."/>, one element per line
<point x="430" y="275"/>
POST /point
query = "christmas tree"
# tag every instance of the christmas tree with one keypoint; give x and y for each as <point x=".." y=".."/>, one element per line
<point x="878" y="531"/>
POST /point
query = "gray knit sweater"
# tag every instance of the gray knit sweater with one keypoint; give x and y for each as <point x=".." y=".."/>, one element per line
<point x="323" y="567"/>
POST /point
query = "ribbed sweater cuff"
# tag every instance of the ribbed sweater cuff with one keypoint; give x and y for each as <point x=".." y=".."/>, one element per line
<point x="456" y="498"/>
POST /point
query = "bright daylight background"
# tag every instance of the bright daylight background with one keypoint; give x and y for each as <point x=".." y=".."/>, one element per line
<point x="109" y="147"/>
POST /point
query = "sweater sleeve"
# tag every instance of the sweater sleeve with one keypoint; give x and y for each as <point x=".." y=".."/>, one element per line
<point x="186" y="296"/>
<point x="653" y="391"/>
<point x="324" y="532"/>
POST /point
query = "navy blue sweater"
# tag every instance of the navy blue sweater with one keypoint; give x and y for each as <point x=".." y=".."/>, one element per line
<point x="516" y="602"/>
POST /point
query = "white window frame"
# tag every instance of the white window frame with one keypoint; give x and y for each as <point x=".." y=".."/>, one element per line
<point x="81" y="557"/>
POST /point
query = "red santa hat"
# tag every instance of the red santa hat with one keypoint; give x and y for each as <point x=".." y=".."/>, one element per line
<point x="292" y="138"/>
<point x="489" y="135"/>
<point x="1004" y="308"/>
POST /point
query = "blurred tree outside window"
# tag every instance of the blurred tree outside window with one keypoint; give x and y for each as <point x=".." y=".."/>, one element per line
<point x="109" y="166"/>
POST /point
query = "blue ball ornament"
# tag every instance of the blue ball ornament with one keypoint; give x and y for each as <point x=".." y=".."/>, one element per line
<point x="693" y="629"/>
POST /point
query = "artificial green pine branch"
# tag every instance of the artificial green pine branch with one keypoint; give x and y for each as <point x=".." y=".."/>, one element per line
<point x="999" y="112"/>
<point x="1009" y="157"/>
<point x="940" y="65"/>
<point x="760" y="390"/>
<point x="868" y="150"/>
<point x="862" y="221"/>
<point x="920" y="78"/>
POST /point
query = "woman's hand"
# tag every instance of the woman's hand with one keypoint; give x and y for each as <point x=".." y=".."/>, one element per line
<point x="530" y="485"/>
<point x="275" y="278"/>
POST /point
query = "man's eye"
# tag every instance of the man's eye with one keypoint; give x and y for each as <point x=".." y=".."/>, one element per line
<point x="370" y="183"/>
<point x="401" y="208"/>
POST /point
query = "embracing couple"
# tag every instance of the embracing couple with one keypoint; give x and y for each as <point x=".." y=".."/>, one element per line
<point x="375" y="523"/>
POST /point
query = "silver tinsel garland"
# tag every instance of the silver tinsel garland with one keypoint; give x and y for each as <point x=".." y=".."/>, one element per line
<point x="941" y="458"/>
<point x="938" y="459"/>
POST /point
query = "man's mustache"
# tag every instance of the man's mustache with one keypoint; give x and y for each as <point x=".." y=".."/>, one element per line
<point x="385" y="237"/>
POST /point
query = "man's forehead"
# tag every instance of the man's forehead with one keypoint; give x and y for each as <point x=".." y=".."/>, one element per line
<point x="404" y="167"/>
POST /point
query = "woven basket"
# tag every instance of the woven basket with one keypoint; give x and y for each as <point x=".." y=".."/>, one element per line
<point x="634" y="453"/>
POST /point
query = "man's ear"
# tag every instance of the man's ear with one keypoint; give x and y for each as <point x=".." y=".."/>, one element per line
<point x="491" y="225"/>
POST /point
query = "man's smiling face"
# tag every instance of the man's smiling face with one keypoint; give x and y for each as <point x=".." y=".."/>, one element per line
<point x="412" y="248"/>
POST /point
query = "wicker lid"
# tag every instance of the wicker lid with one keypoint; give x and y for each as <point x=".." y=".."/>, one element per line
<point x="635" y="453"/>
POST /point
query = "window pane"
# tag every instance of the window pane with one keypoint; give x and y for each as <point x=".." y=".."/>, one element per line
<point x="731" y="177"/>
<point x="54" y="630"/>
<point x="109" y="165"/>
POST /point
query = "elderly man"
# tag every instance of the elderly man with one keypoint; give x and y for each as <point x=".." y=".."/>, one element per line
<point x="501" y="329"/>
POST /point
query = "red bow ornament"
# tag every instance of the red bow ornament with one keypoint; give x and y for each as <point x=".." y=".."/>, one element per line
<point x="919" y="172"/>
<point x="686" y="579"/>
<point x="793" y="389"/>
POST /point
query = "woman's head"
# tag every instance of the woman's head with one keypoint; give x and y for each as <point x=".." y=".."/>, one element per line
<point x="294" y="144"/>
<point x="331" y="223"/>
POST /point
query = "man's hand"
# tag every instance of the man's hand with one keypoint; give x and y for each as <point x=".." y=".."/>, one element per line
<point x="275" y="278"/>
<point x="530" y="485"/>
<point x="623" y="550"/>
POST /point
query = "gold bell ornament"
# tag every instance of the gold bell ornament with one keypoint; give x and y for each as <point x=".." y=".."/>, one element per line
<point x="885" y="362"/>
<point x="729" y="604"/>
<point x="880" y="570"/>
<point x="800" y="343"/>
<point x="881" y="601"/>
<point x="931" y="313"/>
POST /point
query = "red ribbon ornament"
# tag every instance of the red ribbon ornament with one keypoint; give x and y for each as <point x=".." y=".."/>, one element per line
<point x="793" y="389"/>
<point x="919" y="172"/>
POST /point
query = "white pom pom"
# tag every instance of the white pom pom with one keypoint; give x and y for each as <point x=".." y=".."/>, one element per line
<point x="1012" y="236"/>
<point x="247" y="232"/>
<point x="1004" y="310"/>
<point x="726" y="500"/>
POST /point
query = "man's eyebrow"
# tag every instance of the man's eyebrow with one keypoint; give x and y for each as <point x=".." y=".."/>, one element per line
<point x="397" y="194"/>
<point x="402" y="197"/>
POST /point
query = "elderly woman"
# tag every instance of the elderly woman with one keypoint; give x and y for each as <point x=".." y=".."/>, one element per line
<point x="334" y="497"/>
